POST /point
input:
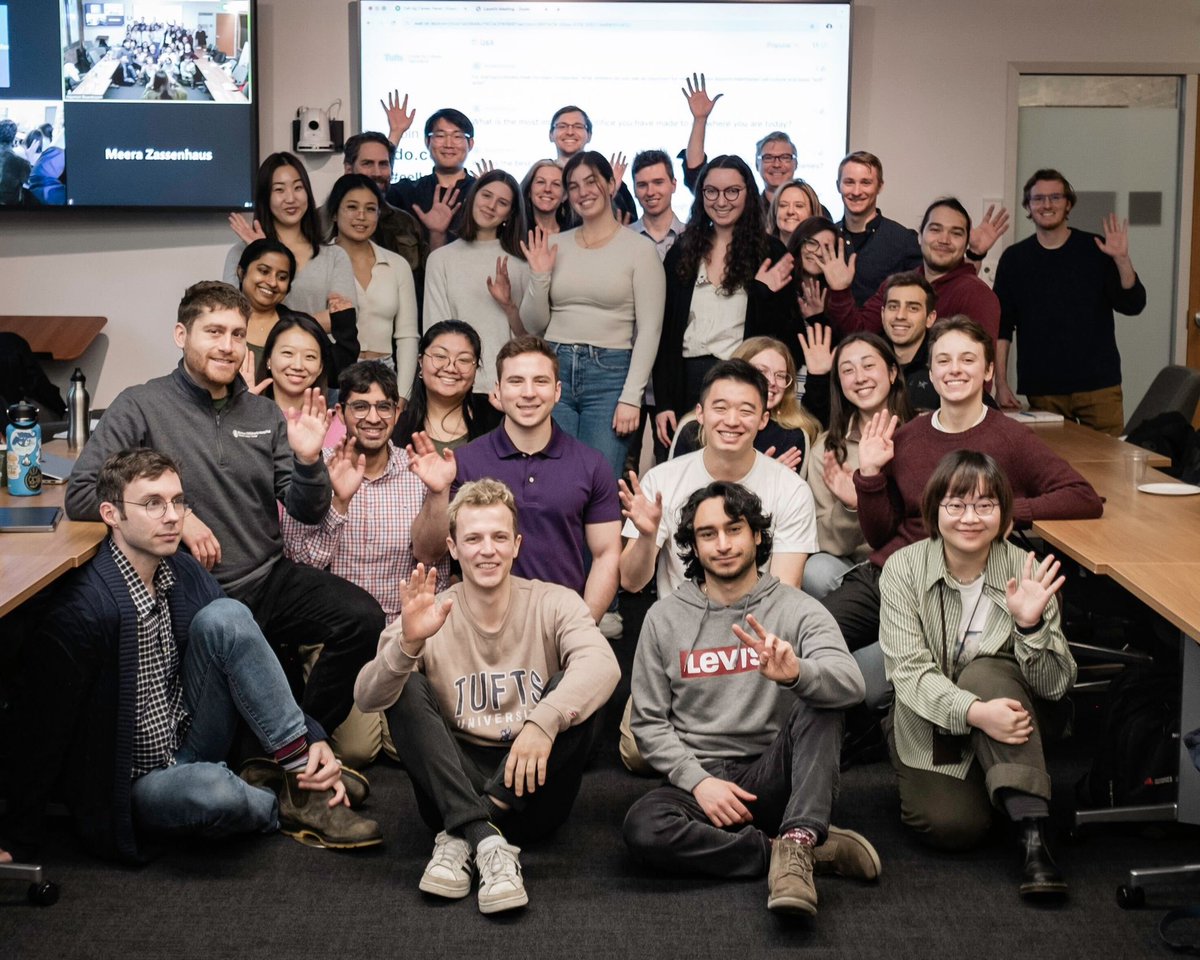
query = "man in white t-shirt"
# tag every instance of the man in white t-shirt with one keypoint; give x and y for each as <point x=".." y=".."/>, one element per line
<point x="732" y="409"/>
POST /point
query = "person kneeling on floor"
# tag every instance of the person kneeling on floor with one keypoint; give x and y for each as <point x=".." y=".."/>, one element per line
<point x="134" y="688"/>
<point x="491" y="690"/>
<point x="745" y="723"/>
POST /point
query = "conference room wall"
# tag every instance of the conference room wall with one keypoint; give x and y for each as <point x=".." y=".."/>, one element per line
<point x="929" y="93"/>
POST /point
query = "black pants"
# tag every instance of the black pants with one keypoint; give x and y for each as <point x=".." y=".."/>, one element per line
<point x="795" y="781"/>
<point x="298" y="606"/>
<point x="855" y="605"/>
<point x="450" y="778"/>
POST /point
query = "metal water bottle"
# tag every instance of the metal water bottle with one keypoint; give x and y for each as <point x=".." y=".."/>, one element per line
<point x="79" y="411"/>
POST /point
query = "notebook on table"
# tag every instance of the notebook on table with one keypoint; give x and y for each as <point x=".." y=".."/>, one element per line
<point x="29" y="519"/>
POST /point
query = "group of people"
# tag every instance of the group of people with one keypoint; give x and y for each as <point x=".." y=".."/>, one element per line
<point x="429" y="567"/>
<point x="160" y="57"/>
<point x="32" y="165"/>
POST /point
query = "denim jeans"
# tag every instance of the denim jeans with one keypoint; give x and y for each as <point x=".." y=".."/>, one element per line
<point x="228" y="673"/>
<point x="592" y="381"/>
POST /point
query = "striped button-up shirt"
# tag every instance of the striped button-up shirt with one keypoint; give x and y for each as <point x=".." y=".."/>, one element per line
<point x="918" y="630"/>
<point x="371" y="545"/>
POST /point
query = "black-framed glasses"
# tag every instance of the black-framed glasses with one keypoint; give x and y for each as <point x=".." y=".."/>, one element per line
<point x="361" y="409"/>
<point x="729" y="193"/>
<point x="570" y="127"/>
<point x="464" y="361"/>
<point x="776" y="158"/>
<point x="156" y="507"/>
<point x="982" y="508"/>
<point x="1047" y="198"/>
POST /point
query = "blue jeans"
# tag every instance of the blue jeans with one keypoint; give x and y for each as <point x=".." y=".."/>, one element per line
<point x="228" y="672"/>
<point x="592" y="381"/>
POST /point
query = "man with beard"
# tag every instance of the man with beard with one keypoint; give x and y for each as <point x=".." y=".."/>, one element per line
<point x="739" y="683"/>
<point x="372" y="154"/>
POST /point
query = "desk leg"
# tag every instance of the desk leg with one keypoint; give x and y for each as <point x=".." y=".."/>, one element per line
<point x="1189" y="719"/>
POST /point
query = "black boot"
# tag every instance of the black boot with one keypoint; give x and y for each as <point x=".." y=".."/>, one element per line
<point x="1040" y="879"/>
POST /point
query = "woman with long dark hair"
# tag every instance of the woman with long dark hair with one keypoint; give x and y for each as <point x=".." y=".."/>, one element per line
<point x="597" y="296"/>
<point x="295" y="358"/>
<point x="284" y="210"/>
<point x="442" y="402"/>
<point x="482" y="276"/>
<point x="726" y="281"/>
<point x="264" y="274"/>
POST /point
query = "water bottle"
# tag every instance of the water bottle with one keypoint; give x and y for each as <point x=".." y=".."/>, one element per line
<point x="24" y="438"/>
<point x="79" y="424"/>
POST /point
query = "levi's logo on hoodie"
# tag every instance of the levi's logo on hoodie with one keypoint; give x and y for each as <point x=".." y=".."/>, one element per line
<point x="717" y="662"/>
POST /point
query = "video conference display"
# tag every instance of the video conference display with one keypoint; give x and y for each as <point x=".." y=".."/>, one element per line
<point x="509" y="66"/>
<point x="133" y="104"/>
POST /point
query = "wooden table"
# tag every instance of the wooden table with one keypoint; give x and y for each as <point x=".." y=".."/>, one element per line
<point x="221" y="85"/>
<point x="1076" y="443"/>
<point x="97" y="80"/>
<point x="1170" y="589"/>
<point x="63" y="338"/>
<point x="29" y="562"/>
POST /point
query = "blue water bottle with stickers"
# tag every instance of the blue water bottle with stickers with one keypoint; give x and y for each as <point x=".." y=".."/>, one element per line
<point x="24" y="439"/>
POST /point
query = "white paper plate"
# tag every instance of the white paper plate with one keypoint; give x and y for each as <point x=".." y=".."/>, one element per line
<point x="1169" y="489"/>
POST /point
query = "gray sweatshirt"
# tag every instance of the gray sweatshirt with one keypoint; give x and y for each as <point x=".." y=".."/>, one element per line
<point x="236" y="465"/>
<point x="697" y="692"/>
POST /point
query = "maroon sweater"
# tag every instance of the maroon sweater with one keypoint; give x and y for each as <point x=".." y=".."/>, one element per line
<point x="959" y="291"/>
<point x="1045" y="487"/>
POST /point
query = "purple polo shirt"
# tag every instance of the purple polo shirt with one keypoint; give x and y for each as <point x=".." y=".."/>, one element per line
<point x="558" y="490"/>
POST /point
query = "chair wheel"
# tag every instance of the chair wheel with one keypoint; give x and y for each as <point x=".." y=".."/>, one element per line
<point x="43" y="894"/>
<point x="1130" y="898"/>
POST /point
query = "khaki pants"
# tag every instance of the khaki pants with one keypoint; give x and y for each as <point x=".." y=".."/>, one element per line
<point x="1102" y="410"/>
<point x="359" y="738"/>
<point x="957" y="814"/>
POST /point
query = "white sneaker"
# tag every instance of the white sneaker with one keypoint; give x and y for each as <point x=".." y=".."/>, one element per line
<point x="448" y="873"/>
<point x="500" y="883"/>
<point x="612" y="626"/>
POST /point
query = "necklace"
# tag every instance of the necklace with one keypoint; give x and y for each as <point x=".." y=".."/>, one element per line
<point x="590" y="245"/>
<point x="961" y="581"/>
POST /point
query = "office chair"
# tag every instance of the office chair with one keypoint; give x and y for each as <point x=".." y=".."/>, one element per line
<point x="1174" y="388"/>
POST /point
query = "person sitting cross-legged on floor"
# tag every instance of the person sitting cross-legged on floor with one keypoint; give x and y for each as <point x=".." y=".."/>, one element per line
<point x="134" y="687"/>
<point x="739" y="683"/>
<point x="972" y="636"/>
<point x="491" y="690"/>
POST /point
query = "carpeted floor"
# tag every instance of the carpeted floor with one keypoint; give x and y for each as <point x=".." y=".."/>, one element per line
<point x="270" y="896"/>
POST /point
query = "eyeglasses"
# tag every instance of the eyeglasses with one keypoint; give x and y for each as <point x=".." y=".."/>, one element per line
<point x="464" y="361"/>
<point x="982" y="508"/>
<point x="1055" y="198"/>
<point x="360" y="409"/>
<point x="771" y="159"/>
<point x="570" y="127"/>
<point x="443" y="136"/>
<point x="812" y="244"/>
<point x="780" y="379"/>
<point x="156" y="507"/>
<point x="730" y="193"/>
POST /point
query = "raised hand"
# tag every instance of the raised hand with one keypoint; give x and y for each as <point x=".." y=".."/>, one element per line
<point x="260" y="388"/>
<point x="812" y="298"/>
<point x="346" y="471"/>
<point x="696" y="94"/>
<point x="399" y="117"/>
<point x="722" y="801"/>
<point x="246" y="232"/>
<point x="484" y="166"/>
<point x="838" y="271"/>
<point x="1116" y="237"/>
<point x="440" y="215"/>
<point x="307" y="426"/>
<point x="422" y="613"/>
<point x="539" y="253"/>
<point x="777" y="658"/>
<point x="790" y="458"/>
<point x="1027" y="599"/>
<point x="626" y="418"/>
<point x="525" y="767"/>
<point x="436" y="470"/>
<point x="988" y="230"/>
<point x="839" y="479"/>
<point x="336" y="302"/>
<point x="1002" y="719"/>
<point x="247" y="368"/>
<point x="875" y="448"/>
<point x="637" y="508"/>
<point x="619" y="162"/>
<point x="776" y="277"/>
<point x="816" y="343"/>
<point x="500" y="287"/>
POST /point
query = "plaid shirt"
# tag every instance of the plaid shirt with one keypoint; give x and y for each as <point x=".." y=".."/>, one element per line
<point x="162" y="719"/>
<point x="371" y="545"/>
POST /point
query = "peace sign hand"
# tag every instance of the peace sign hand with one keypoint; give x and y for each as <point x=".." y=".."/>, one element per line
<point x="777" y="658"/>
